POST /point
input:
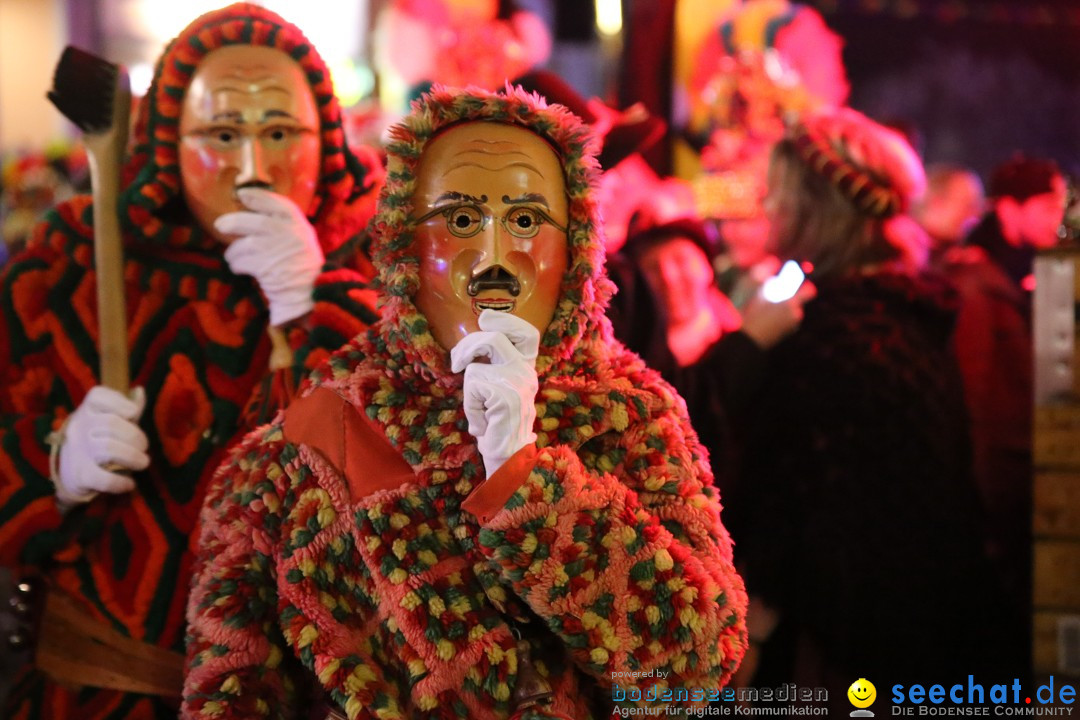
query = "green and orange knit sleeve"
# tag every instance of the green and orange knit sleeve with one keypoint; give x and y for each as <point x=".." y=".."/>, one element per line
<point x="621" y="551"/>
<point x="47" y="357"/>
<point x="234" y="646"/>
<point x="284" y="569"/>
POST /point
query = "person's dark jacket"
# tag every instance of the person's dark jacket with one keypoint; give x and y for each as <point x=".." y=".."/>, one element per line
<point x="857" y="517"/>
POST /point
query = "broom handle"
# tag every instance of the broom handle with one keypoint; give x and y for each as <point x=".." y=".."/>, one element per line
<point x="105" y="152"/>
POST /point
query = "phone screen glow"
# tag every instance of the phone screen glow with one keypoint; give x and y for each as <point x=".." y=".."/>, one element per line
<point x="784" y="284"/>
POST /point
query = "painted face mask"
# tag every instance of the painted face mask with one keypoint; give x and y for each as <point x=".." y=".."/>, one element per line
<point x="491" y="212"/>
<point x="249" y="119"/>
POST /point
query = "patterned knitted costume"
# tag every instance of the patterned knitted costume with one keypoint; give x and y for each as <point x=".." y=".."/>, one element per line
<point x="394" y="597"/>
<point x="198" y="345"/>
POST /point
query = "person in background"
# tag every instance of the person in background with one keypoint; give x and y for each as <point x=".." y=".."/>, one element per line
<point x="626" y="180"/>
<point x="240" y="214"/>
<point x="732" y="201"/>
<point x="479" y="503"/>
<point x="746" y="259"/>
<point x="418" y="43"/>
<point x="675" y="259"/>
<point x="952" y="206"/>
<point x="858" y="520"/>
<point x="1027" y="197"/>
<point x="711" y="352"/>
<point x="31" y="183"/>
<point x="992" y="273"/>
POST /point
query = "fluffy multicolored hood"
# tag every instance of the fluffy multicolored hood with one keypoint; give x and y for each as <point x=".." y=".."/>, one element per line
<point x="152" y="206"/>
<point x="579" y="321"/>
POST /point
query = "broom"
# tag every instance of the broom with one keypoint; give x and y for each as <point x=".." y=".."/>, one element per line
<point x="95" y="95"/>
<point x="72" y="647"/>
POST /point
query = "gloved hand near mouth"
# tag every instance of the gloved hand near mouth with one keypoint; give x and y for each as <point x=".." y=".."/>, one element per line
<point x="278" y="247"/>
<point x="500" y="396"/>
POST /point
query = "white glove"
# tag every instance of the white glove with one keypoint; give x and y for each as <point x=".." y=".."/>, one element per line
<point x="278" y="247"/>
<point x="500" y="397"/>
<point x="103" y="431"/>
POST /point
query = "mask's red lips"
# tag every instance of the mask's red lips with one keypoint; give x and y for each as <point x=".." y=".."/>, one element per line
<point x="501" y="304"/>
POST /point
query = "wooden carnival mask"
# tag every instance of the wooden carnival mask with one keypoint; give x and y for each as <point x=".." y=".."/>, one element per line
<point x="491" y="214"/>
<point x="249" y="119"/>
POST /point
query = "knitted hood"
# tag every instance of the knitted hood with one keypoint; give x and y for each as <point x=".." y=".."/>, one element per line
<point x="152" y="206"/>
<point x="579" y="319"/>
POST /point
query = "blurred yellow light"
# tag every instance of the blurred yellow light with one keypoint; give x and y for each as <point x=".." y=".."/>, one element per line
<point x="335" y="27"/>
<point x="141" y="75"/>
<point x="162" y="20"/>
<point x="352" y="83"/>
<point x="609" y="16"/>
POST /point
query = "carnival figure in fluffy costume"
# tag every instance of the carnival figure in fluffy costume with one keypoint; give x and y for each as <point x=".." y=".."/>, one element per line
<point x="240" y="203"/>
<point x="484" y="506"/>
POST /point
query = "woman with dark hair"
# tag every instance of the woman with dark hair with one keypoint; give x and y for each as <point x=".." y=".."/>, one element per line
<point x="691" y="332"/>
<point x="858" y="520"/>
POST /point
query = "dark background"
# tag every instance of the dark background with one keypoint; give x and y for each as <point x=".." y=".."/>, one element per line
<point x="979" y="79"/>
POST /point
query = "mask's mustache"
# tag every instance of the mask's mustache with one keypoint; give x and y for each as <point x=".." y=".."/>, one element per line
<point x="494" y="278"/>
<point x="253" y="184"/>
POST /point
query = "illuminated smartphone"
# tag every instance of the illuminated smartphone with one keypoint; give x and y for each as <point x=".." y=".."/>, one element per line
<point x="784" y="284"/>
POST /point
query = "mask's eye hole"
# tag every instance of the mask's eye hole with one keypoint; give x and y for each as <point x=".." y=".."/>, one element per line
<point x="464" y="220"/>
<point x="524" y="222"/>
<point x="222" y="138"/>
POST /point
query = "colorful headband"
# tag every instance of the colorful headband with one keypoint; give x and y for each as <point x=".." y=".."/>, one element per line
<point x="867" y="192"/>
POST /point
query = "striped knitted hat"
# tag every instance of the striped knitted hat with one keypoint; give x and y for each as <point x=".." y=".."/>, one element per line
<point x="152" y="173"/>
<point x="873" y="166"/>
<point x="585" y="289"/>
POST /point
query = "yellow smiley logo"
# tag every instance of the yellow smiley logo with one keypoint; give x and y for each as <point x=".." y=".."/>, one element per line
<point x="862" y="693"/>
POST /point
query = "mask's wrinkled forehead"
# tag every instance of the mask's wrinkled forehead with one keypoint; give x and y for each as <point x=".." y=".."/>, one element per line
<point x="490" y="160"/>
